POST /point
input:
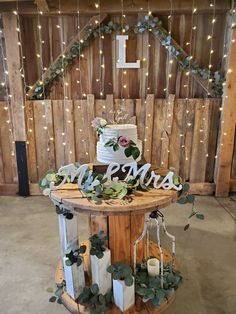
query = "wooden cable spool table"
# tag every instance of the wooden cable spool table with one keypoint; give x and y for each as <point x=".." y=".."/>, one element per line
<point x="122" y="221"/>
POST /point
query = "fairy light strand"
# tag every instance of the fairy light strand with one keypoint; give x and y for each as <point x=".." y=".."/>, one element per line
<point x="8" y="96"/>
<point x="169" y="58"/>
<point x="61" y="32"/>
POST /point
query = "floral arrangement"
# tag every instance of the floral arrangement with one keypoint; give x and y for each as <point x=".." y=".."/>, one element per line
<point x="43" y="87"/>
<point x="122" y="141"/>
<point x="98" y="124"/>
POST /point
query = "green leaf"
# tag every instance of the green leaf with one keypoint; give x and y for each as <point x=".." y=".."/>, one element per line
<point x="135" y="152"/>
<point x="50" y="176"/>
<point x="141" y="291"/>
<point x="44" y="182"/>
<point x="79" y="261"/>
<point x="193" y="213"/>
<point x="82" y="249"/>
<point x="59" y="210"/>
<point x="116" y="147"/>
<point x="100" y="255"/>
<point x="176" y="180"/>
<point x="149" y="294"/>
<point x="110" y="269"/>
<point x="46" y="192"/>
<point x="200" y="216"/>
<point x="128" y="151"/>
<point x="129" y="281"/>
<point x="186" y="227"/>
<point x="53" y="299"/>
<point x="59" y="292"/>
<point x="185" y="187"/>
<point x="182" y="200"/>
<point x="122" y="194"/>
<point x="190" y="198"/>
<point x="94" y="289"/>
<point x="101" y="299"/>
<point x="50" y="290"/>
<point x="154" y="302"/>
<point x="69" y="262"/>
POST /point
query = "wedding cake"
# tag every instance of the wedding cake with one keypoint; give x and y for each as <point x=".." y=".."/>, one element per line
<point x="117" y="142"/>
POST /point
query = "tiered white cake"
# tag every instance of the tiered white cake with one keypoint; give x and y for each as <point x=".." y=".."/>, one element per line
<point x="106" y="155"/>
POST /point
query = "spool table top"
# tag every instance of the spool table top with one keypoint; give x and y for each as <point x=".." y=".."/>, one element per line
<point x="141" y="202"/>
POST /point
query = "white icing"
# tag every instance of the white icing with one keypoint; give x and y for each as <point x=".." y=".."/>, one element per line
<point x="106" y="155"/>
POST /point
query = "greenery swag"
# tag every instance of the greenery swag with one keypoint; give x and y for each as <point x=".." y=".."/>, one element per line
<point x="42" y="87"/>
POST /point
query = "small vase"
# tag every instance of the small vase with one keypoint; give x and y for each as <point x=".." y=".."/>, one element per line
<point x="124" y="296"/>
<point x="100" y="275"/>
<point x="74" y="277"/>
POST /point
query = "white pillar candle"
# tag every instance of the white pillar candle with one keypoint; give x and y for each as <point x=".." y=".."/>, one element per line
<point x="153" y="267"/>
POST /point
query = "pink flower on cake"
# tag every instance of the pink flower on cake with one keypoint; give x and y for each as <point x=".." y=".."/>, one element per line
<point x="123" y="141"/>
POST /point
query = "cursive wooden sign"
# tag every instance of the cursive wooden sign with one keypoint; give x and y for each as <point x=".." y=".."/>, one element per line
<point x="131" y="169"/>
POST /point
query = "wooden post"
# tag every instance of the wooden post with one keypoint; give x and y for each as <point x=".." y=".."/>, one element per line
<point x="227" y="130"/>
<point x="17" y="98"/>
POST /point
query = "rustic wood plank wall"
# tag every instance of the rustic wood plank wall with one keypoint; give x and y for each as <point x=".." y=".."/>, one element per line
<point x="172" y="132"/>
<point x="135" y="79"/>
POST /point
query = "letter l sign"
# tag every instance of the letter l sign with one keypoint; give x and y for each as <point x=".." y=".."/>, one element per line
<point x="121" y="62"/>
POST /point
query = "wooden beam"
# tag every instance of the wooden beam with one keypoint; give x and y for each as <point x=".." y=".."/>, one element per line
<point x="42" y="5"/>
<point x="233" y="184"/>
<point x="228" y="123"/>
<point x="94" y="22"/>
<point x="14" y="75"/>
<point x="114" y="6"/>
<point x="203" y="188"/>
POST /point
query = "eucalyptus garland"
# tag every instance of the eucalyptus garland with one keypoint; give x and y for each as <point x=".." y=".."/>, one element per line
<point x="150" y="23"/>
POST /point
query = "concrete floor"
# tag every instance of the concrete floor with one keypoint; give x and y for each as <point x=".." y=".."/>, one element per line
<point x="30" y="250"/>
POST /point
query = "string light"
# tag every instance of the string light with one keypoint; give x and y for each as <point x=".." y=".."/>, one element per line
<point x="7" y="107"/>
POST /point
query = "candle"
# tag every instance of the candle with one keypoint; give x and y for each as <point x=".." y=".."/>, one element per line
<point x="153" y="267"/>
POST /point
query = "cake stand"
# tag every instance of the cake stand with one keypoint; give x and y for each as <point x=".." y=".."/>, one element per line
<point x="122" y="221"/>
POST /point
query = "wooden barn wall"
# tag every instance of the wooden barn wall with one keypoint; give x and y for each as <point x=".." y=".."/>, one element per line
<point x="137" y="48"/>
<point x="60" y="132"/>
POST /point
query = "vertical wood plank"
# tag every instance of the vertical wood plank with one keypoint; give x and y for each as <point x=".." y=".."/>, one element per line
<point x="214" y="121"/>
<point x="14" y="75"/>
<point x="59" y="132"/>
<point x="45" y="158"/>
<point x="98" y="223"/>
<point x="188" y="140"/>
<point x="109" y="108"/>
<point x="70" y="132"/>
<point x="31" y="142"/>
<point x="119" y="245"/>
<point x="7" y="148"/>
<point x="80" y="117"/>
<point x="157" y="134"/>
<point x="200" y="142"/>
<point x="176" y="137"/>
<point x="227" y="132"/>
<point x="91" y="133"/>
<point x="148" y="127"/>
<point x="167" y="128"/>
<point x="140" y="115"/>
